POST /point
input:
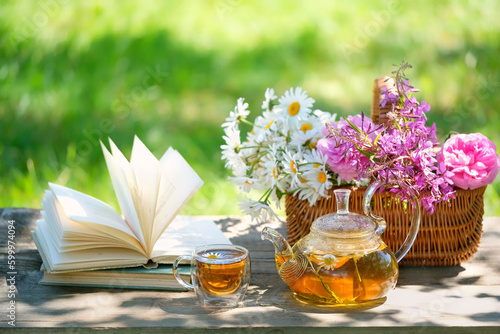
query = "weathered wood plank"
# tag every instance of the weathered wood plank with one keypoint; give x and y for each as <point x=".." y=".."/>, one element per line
<point x="458" y="299"/>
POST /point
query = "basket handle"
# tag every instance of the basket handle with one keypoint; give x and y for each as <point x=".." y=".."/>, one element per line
<point x="378" y="113"/>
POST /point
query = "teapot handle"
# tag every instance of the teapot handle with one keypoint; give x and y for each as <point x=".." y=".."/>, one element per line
<point x="382" y="225"/>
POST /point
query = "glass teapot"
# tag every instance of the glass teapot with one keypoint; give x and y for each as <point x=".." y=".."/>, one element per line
<point x="343" y="260"/>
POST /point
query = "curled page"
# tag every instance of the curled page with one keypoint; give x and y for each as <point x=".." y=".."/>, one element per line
<point x="123" y="181"/>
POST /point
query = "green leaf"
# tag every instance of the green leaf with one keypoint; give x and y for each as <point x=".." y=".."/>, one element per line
<point x="450" y="134"/>
<point x="376" y="138"/>
<point x="367" y="153"/>
<point x="279" y="193"/>
<point x="397" y="125"/>
<point x="353" y="126"/>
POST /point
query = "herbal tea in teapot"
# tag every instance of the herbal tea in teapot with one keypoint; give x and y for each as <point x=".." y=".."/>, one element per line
<point x="346" y="279"/>
<point x="343" y="260"/>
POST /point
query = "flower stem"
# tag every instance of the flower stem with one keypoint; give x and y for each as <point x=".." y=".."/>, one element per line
<point x="249" y="173"/>
<point x="356" y="266"/>
<point x="327" y="288"/>
<point x="243" y="120"/>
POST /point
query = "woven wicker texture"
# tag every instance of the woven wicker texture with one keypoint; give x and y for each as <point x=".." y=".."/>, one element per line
<point x="448" y="237"/>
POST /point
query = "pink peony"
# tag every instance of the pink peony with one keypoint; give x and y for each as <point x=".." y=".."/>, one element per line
<point x="337" y="160"/>
<point x="471" y="159"/>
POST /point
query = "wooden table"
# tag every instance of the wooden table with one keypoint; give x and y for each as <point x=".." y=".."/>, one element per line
<point x="460" y="299"/>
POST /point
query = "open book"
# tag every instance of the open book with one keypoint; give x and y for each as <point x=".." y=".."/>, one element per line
<point x="80" y="232"/>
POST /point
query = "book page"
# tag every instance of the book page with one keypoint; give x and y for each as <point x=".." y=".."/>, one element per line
<point x="178" y="183"/>
<point x="185" y="234"/>
<point x="145" y="167"/>
<point x="123" y="181"/>
<point x="85" y="208"/>
<point x="90" y="259"/>
<point x="60" y="224"/>
<point x="81" y="234"/>
<point x="78" y="212"/>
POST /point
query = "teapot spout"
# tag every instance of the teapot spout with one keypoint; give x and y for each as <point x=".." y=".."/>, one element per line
<point x="290" y="266"/>
<point x="281" y="246"/>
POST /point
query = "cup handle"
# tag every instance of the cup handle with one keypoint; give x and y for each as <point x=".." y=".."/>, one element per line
<point x="177" y="275"/>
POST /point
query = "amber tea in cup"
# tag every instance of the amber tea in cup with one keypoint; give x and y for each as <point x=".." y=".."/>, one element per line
<point x="220" y="274"/>
<point x="217" y="272"/>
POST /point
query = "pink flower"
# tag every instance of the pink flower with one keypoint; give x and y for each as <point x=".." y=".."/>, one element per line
<point x="343" y="156"/>
<point x="338" y="161"/>
<point x="471" y="159"/>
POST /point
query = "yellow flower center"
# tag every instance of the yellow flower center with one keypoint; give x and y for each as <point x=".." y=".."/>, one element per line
<point x="303" y="180"/>
<point x="322" y="177"/>
<point x="269" y="125"/>
<point x="275" y="173"/>
<point x="329" y="261"/>
<point x="306" y="127"/>
<point x="212" y="256"/>
<point x="294" y="108"/>
<point x="292" y="167"/>
<point x="316" y="165"/>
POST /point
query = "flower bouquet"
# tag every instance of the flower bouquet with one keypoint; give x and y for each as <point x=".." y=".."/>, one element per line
<point x="301" y="154"/>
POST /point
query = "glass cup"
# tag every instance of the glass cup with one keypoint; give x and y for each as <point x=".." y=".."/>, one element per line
<point x="220" y="274"/>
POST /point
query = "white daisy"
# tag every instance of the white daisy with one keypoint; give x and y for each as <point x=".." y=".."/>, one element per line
<point x="238" y="165"/>
<point x="240" y="112"/>
<point x="233" y="143"/>
<point x="324" y="117"/>
<point x="318" y="178"/>
<point x="257" y="210"/>
<point x="275" y="199"/>
<point x="315" y="156"/>
<point x="232" y="139"/>
<point x="276" y="139"/>
<point x="275" y="150"/>
<point x="212" y="255"/>
<point x="328" y="261"/>
<point x="247" y="183"/>
<point x="291" y="165"/>
<point x="265" y="126"/>
<point x="296" y="106"/>
<point x="307" y="139"/>
<point x="315" y="172"/>
<point x="283" y="184"/>
<point x="249" y="151"/>
<point x="306" y="192"/>
<point x="306" y="125"/>
<point x="278" y="155"/>
<point x="255" y="137"/>
<point x="262" y="174"/>
<point x="230" y="151"/>
<point x="269" y="95"/>
<point x="271" y="169"/>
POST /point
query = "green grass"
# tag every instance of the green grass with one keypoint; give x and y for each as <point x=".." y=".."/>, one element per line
<point x="72" y="73"/>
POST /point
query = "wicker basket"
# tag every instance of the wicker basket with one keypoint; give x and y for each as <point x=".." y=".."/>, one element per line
<point x="448" y="237"/>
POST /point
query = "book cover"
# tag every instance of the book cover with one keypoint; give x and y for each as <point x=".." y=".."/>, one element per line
<point x="160" y="278"/>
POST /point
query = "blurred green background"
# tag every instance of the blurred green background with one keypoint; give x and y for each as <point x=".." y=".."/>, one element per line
<point x="74" y="72"/>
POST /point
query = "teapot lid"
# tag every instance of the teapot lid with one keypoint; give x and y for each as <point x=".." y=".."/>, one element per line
<point x="344" y="224"/>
